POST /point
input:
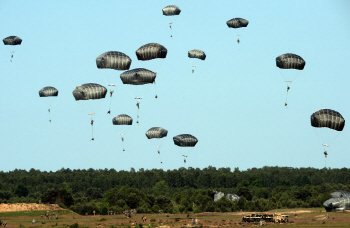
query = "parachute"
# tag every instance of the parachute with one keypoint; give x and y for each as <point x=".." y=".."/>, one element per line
<point x="289" y="63"/>
<point x="122" y="119"/>
<point x="325" y="119"/>
<point x="237" y="23"/>
<point x="48" y="92"/>
<point x="90" y="91"/>
<point x="12" y="40"/>
<point x="171" y="10"/>
<point x="157" y="133"/>
<point x="185" y="140"/>
<point x="151" y="51"/>
<point x="197" y="54"/>
<point x="328" y="118"/>
<point x="138" y="76"/>
<point x="113" y="60"/>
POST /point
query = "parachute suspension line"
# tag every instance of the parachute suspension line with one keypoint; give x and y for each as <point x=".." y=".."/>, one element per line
<point x="92" y="126"/>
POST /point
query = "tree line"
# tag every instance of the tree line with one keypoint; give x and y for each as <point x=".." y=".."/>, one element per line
<point x="180" y="190"/>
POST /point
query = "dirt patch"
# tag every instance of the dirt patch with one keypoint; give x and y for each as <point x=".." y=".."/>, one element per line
<point x="28" y="207"/>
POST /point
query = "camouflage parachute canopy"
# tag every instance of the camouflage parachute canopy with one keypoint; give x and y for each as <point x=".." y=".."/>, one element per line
<point x="171" y="10"/>
<point x="151" y="51"/>
<point x="237" y="23"/>
<point x="156" y="132"/>
<point x="195" y="53"/>
<point x="290" y="61"/>
<point x="138" y="76"/>
<point x="12" y="40"/>
<point x="328" y="118"/>
<point x="185" y="140"/>
<point x="113" y="60"/>
<point x="89" y="91"/>
<point x="48" y="91"/>
<point x="122" y="119"/>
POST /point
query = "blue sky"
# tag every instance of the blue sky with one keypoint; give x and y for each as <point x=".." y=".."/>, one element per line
<point x="233" y="103"/>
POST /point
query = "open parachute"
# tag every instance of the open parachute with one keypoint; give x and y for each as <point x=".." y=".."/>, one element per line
<point x="185" y="140"/>
<point x="12" y="40"/>
<point x="48" y="93"/>
<point x="290" y="61"/>
<point x="122" y="119"/>
<point x="138" y="76"/>
<point x="157" y="133"/>
<point x="325" y="122"/>
<point x="151" y="51"/>
<point x="90" y="91"/>
<point x="113" y="60"/>
<point x="237" y="23"/>
<point x="328" y="118"/>
<point x="171" y="10"/>
<point x="198" y="54"/>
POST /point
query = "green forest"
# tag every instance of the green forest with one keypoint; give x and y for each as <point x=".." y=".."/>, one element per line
<point x="183" y="190"/>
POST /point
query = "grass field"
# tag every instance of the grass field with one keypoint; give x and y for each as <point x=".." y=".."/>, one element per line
<point x="315" y="217"/>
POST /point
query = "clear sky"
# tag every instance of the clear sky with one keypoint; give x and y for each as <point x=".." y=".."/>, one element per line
<point x="233" y="103"/>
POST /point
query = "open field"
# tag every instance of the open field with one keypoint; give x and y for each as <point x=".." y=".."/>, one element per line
<point x="315" y="217"/>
